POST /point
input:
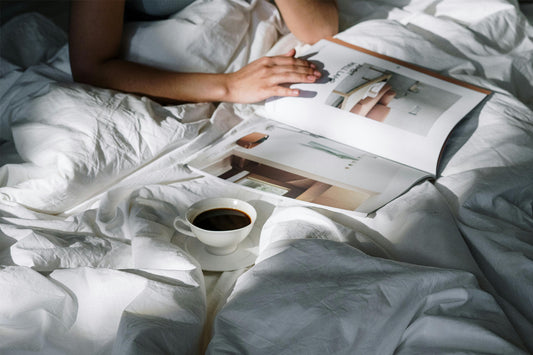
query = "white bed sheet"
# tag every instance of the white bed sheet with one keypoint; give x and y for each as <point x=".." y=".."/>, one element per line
<point x="90" y="260"/>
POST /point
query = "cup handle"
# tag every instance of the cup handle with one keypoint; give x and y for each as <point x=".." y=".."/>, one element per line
<point x="181" y="226"/>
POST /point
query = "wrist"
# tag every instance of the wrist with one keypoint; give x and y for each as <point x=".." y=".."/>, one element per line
<point x="200" y="87"/>
<point x="215" y="87"/>
<point x="224" y="87"/>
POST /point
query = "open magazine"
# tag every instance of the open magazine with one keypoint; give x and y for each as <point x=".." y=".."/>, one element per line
<point x="372" y="127"/>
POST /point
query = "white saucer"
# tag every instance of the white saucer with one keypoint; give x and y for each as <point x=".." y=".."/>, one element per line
<point x="244" y="256"/>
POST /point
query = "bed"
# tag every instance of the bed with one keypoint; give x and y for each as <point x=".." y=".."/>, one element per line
<point x="91" y="180"/>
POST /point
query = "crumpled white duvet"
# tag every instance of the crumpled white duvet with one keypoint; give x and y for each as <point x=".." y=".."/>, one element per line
<point x="333" y="299"/>
<point x="91" y="179"/>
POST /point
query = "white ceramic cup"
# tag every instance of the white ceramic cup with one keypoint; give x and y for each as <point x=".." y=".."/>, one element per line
<point x="218" y="242"/>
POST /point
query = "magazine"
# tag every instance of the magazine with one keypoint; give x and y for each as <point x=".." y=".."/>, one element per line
<point x="371" y="128"/>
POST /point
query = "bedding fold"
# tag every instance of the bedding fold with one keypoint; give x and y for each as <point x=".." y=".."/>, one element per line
<point x="90" y="262"/>
<point x="321" y="296"/>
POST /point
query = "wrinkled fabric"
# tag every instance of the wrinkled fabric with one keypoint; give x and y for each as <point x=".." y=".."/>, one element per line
<point x="324" y="297"/>
<point x="92" y="179"/>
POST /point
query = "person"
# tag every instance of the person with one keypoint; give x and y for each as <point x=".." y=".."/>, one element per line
<point x="95" y="35"/>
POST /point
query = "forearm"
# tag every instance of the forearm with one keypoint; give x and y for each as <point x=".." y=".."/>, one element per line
<point x="158" y="84"/>
<point x="255" y="82"/>
<point x="310" y="20"/>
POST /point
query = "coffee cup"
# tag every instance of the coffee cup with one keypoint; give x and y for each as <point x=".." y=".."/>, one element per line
<point x="219" y="223"/>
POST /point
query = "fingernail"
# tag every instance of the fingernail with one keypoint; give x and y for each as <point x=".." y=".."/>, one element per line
<point x="317" y="73"/>
<point x="311" y="77"/>
<point x="312" y="65"/>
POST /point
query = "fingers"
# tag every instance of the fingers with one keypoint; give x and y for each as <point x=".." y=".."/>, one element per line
<point x="270" y="76"/>
<point x="292" y="69"/>
<point x="310" y="73"/>
<point x="283" y="91"/>
<point x="288" y="61"/>
<point x="290" y="53"/>
<point x="289" y="70"/>
<point x="289" y="77"/>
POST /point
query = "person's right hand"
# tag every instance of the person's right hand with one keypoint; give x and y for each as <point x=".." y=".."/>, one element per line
<point x="265" y="77"/>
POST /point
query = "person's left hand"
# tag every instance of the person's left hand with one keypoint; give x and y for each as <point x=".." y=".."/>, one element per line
<point x="265" y="77"/>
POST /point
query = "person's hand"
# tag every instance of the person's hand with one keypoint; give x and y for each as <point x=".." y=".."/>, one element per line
<point x="265" y="77"/>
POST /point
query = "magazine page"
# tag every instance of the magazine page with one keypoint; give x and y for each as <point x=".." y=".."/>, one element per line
<point x="377" y="104"/>
<point x="281" y="160"/>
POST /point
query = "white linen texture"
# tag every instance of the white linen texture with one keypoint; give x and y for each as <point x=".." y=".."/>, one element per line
<point x="91" y="180"/>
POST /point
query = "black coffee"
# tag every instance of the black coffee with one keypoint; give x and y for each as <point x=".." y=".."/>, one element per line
<point x="222" y="219"/>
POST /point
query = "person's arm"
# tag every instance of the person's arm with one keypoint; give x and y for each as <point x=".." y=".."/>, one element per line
<point x="94" y="44"/>
<point x="310" y="20"/>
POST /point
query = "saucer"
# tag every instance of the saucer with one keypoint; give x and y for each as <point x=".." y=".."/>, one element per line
<point x="244" y="256"/>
